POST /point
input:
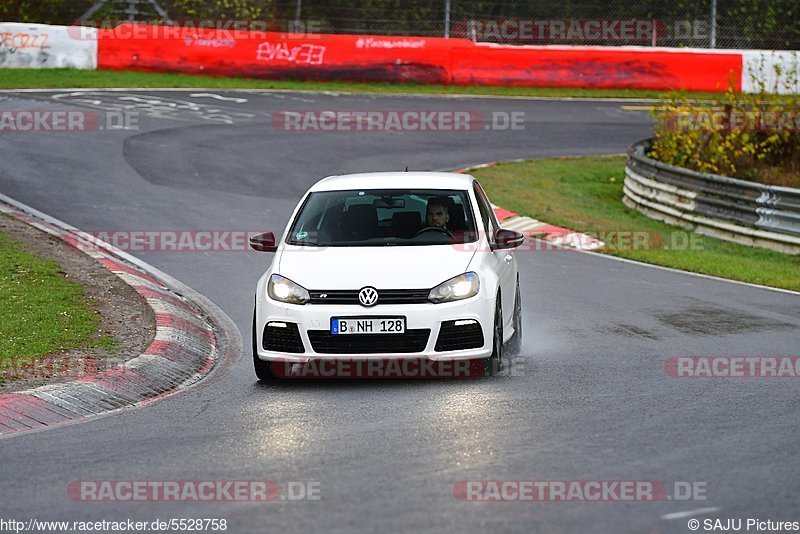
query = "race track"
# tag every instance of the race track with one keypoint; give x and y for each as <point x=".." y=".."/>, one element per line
<point x="592" y="400"/>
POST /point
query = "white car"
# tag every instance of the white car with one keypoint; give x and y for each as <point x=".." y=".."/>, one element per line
<point x="391" y="265"/>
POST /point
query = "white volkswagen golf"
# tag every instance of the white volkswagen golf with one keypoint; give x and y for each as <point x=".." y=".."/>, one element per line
<point x="388" y="265"/>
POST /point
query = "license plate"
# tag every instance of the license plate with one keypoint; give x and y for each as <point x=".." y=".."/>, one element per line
<point x="368" y="325"/>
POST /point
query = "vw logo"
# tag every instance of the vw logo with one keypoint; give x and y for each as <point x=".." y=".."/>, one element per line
<point x="368" y="296"/>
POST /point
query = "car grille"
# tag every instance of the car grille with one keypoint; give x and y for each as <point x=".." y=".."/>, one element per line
<point x="282" y="339"/>
<point x="324" y="342"/>
<point x="459" y="337"/>
<point x="385" y="296"/>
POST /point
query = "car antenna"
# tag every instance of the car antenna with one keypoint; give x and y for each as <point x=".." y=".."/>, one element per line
<point x="406" y="169"/>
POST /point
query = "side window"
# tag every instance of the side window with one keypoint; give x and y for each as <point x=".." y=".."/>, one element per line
<point x="487" y="213"/>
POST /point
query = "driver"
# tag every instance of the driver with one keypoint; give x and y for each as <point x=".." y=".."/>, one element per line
<point x="438" y="213"/>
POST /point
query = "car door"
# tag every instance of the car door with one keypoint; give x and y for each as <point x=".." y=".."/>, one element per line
<point x="502" y="261"/>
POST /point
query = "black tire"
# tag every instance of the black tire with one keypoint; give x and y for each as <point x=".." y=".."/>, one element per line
<point x="263" y="369"/>
<point x="514" y="345"/>
<point x="494" y="363"/>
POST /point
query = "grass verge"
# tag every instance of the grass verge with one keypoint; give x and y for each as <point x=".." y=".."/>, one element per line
<point x="72" y="78"/>
<point x="41" y="311"/>
<point x="585" y="194"/>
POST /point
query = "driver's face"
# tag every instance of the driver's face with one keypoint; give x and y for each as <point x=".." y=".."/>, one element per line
<point x="437" y="216"/>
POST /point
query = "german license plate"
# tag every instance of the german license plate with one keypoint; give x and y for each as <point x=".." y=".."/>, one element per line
<point x="368" y="325"/>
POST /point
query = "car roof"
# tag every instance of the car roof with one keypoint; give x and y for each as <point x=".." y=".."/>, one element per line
<point x="395" y="180"/>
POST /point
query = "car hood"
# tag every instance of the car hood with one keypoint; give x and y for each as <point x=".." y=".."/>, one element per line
<point x="419" y="267"/>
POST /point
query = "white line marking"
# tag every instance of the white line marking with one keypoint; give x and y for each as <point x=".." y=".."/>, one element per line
<point x="218" y="97"/>
<point x="690" y="273"/>
<point x="338" y="93"/>
<point x="689" y="513"/>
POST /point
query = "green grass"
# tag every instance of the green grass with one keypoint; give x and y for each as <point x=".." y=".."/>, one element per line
<point x="41" y="311"/>
<point x="71" y="78"/>
<point x="585" y="194"/>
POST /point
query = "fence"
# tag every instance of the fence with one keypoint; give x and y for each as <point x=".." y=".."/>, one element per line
<point x="726" y="208"/>
<point x="740" y="24"/>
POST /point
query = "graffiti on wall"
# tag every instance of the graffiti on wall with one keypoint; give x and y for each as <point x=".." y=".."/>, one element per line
<point x="307" y="54"/>
<point x="12" y="41"/>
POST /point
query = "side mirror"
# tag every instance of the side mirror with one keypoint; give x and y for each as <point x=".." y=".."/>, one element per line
<point x="504" y="239"/>
<point x="263" y="242"/>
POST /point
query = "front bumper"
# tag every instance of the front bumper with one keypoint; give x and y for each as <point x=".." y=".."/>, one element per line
<point x="316" y="317"/>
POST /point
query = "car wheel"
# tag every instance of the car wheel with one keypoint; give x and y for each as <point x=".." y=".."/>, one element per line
<point x="515" y="343"/>
<point x="494" y="363"/>
<point x="263" y="369"/>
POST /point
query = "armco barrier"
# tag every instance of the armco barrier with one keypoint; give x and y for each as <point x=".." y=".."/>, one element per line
<point x="43" y="46"/>
<point x="726" y="208"/>
<point x="389" y="59"/>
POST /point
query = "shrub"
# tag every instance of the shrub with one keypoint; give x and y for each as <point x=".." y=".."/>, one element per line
<point x="748" y="136"/>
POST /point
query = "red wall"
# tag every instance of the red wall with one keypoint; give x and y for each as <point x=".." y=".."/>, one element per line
<point x="410" y="59"/>
<point x="277" y="55"/>
<point x="596" y="67"/>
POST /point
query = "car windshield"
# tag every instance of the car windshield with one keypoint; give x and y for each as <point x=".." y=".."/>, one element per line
<point x="384" y="217"/>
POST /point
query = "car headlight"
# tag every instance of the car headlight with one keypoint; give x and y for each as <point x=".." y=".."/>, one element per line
<point x="461" y="287"/>
<point x="284" y="290"/>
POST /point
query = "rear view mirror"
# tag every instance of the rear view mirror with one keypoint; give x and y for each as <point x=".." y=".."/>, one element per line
<point x="263" y="242"/>
<point x="389" y="203"/>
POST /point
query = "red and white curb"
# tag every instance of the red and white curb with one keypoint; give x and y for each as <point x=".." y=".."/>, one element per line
<point x="563" y="237"/>
<point x="185" y="349"/>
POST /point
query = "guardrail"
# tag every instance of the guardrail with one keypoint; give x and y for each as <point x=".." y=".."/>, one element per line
<point x="721" y="207"/>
